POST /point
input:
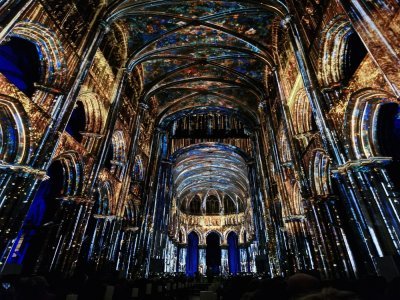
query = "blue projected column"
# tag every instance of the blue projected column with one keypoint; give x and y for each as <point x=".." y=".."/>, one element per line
<point x="192" y="259"/>
<point x="233" y="252"/>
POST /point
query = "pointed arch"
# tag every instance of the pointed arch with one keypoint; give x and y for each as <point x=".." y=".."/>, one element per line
<point x="319" y="170"/>
<point x="50" y="49"/>
<point x="302" y="113"/>
<point x="73" y="167"/>
<point x="105" y="199"/>
<point x="360" y="124"/>
<point x="341" y="51"/>
<point x="14" y="131"/>
<point x="95" y="113"/>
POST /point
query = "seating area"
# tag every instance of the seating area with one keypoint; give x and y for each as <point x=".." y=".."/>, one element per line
<point x="108" y="287"/>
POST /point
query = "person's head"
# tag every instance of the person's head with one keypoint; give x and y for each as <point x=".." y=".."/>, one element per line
<point x="302" y="284"/>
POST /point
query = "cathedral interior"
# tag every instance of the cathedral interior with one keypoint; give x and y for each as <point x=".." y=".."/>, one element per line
<point x="200" y="138"/>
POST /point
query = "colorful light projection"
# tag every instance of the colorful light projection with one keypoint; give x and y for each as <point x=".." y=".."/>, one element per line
<point x="208" y="167"/>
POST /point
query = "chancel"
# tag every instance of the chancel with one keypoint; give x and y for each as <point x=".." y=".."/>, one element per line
<point x="154" y="149"/>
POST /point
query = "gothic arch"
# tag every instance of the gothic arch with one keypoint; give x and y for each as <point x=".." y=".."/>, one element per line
<point x="73" y="173"/>
<point x="319" y="170"/>
<point x="227" y="232"/>
<point x="14" y="131"/>
<point x="336" y="61"/>
<point x="95" y="113"/>
<point x="360" y="129"/>
<point x="302" y="113"/>
<point x="105" y="199"/>
<point x="50" y="48"/>
<point x="202" y="238"/>
<point x="138" y="169"/>
<point x="221" y="236"/>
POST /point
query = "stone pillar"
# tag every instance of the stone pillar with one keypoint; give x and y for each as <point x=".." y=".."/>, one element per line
<point x="243" y="259"/>
<point x="135" y="128"/>
<point x="224" y="260"/>
<point x="202" y="259"/>
<point x="149" y="192"/>
<point x="182" y="258"/>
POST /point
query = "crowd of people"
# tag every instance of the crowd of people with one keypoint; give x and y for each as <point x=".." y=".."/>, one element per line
<point x="108" y="286"/>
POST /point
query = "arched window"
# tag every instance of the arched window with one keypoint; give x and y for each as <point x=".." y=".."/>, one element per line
<point x="138" y="170"/>
<point x="341" y="53"/>
<point x="212" y="205"/>
<point x="14" y="135"/>
<point x="20" y="64"/>
<point x="195" y="206"/>
<point x="319" y="173"/>
<point x="105" y="196"/>
<point x="77" y="122"/>
<point x="213" y="252"/>
<point x="229" y="206"/>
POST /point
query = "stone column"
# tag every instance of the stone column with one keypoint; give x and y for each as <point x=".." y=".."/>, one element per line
<point x="224" y="260"/>
<point x="109" y="130"/>
<point x="244" y="263"/>
<point x="182" y="258"/>
<point x="149" y="192"/>
<point x="131" y="155"/>
<point x="202" y="260"/>
<point x="362" y="226"/>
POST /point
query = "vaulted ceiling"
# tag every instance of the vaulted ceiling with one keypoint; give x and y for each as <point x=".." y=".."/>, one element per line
<point x="202" y="53"/>
<point x="208" y="56"/>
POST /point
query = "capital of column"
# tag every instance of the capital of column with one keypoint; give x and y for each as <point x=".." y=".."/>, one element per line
<point x="262" y="104"/>
<point x="132" y="229"/>
<point x="77" y="199"/>
<point x="105" y="217"/>
<point x="38" y="173"/>
<point x="166" y="161"/>
<point x="286" y="21"/>
<point x="160" y="130"/>
<point x="250" y="162"/>
<point x="143" y="106"/>
<point x="105" y="26"/>
<point x="360" y="165"/>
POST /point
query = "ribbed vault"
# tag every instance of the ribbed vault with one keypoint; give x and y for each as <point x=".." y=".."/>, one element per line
<point x="201" y="53"/>
<point x="210" y="169"/>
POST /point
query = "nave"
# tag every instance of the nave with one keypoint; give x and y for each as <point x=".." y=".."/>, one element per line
<point x="206" y="143"/>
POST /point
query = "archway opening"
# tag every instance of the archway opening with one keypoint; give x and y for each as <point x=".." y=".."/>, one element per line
<point x="77" y="122"/>
<point x="213" y="253"/>
<point x="388" y="137"/>
<point x="356" y="53"/>
<point x="212" y="205"/>
<point x="233" y="253"/>
<point x="39" y="219"/>
<point x="192" y="258"/>
<point x="20" y="64"/>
